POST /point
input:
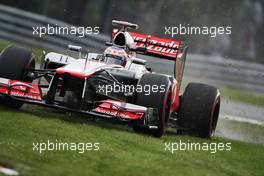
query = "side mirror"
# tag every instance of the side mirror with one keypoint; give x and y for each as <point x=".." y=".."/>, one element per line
<point x="75" y="48"/>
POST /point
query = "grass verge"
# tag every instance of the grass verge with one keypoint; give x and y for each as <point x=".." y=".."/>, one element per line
<point x="122" y="152"/>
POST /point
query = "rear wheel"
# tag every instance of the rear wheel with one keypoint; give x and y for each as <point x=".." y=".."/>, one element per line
<point x="199" y="110"/>
<point x="14" y="64"/>
<point x="154" y="99"/>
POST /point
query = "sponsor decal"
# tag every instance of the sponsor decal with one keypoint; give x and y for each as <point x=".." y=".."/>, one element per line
<point x="157" y="45"/>
<point x="116" y="113"/>
<point x="25" y="95"/>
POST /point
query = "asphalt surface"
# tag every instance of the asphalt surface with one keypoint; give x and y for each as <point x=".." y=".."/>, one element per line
<point x="243" y="111"/>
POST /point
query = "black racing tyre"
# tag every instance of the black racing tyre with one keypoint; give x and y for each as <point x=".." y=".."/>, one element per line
<point x="155" y="99"/>
<point x="14" y="63"/>
<point x="199" y="110"/>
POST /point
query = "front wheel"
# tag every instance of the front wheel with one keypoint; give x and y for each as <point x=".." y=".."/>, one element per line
<point x="14" y="65"/>
<point x="199" y="110"/>
<point x="154" y="99"/>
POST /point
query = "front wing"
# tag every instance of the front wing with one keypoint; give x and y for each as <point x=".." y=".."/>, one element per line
<point x="111" y="109"/>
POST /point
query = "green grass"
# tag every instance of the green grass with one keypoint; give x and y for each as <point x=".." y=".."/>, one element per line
<point x="122" y="152"/>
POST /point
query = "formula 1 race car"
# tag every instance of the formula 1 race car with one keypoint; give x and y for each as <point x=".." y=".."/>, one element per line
<point x="115" y="84"/>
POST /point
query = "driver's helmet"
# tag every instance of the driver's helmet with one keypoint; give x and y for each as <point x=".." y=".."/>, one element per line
<point x="115" y="55"/>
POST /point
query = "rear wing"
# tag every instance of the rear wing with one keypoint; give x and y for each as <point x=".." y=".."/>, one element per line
<point x="157" y="46"/>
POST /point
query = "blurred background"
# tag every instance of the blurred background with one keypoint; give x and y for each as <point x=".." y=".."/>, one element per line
<point x="234" y="60"/>
<point x="244" y="16"/>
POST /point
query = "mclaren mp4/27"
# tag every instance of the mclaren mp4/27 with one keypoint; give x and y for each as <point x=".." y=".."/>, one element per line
<point x="86" y="84"/>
